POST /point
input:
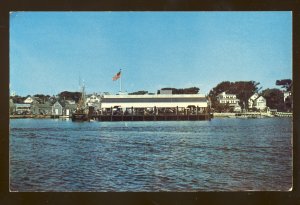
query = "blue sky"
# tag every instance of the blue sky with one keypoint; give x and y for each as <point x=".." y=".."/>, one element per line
<point x="50" y="51"/>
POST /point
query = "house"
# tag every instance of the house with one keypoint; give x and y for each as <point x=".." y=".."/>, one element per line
<point x="288" y="100"/>
<point x="60" y="108"/>
<point x="257" y="101"/>
<point x="28" y="100"/>
<point x="12" y="107"/>
<point x="71" y="102"/>
<point x="31" y="100"/>
<point x="42" y="109"/>
<point x="22" y="108"/>
<point x="93" y="101"/>
<point x="57" y="108"/>
<point x="229" y="99"/>
<point x="69" y="109"/>
<point x="224" y="98"/>
<point x="286" y="94"/>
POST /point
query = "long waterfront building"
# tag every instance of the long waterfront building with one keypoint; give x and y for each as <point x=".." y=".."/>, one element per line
<point x="150" y="101"/>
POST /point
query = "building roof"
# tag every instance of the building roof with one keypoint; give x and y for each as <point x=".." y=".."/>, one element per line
<point x="224" y="93"/>
<point x="155" y="96"/>
<point x="22" y="105"/>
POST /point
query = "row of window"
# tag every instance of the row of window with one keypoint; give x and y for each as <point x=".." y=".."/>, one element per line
<point x="228" y="101"/>
<point x="150" y="100"/>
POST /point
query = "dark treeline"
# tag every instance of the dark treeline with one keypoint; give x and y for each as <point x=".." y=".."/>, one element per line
<point x="192" y="90"/>
<point x="245" y="89"/>
<point x="66" y="95"/>
<point x="140" y="92"/>
<point x="242" y="89"/>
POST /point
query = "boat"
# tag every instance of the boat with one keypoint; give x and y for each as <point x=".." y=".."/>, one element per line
<point x="80" y="117"/>
<point x="81" y="113"/>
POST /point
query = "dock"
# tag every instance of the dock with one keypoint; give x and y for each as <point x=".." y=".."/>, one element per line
<point x="161" y="117"/>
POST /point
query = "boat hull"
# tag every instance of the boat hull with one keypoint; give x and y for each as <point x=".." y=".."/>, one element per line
<point x="80" y="117"/>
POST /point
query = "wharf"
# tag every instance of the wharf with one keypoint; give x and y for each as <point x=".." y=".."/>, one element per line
<point x="29" y="116"/>
<point x="151" y="117"/>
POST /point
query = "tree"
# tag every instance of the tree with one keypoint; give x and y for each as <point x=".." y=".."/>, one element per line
<point x="274" y="98"/>
<point x="219" y="107"/>
<point x="141" y="92"/>
<point x="70" y="96"/>
<point x="42" y="97"/>
<point x="242" y="89"/>
<point x="18" y="99"/>
<point x="285" y="83"/>
<point x="191" y="90"/>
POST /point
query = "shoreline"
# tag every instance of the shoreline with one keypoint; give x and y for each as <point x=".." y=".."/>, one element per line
<point x="252" y="115"/>
<point x="34" y="116"/>
<point x="214" y="115"/>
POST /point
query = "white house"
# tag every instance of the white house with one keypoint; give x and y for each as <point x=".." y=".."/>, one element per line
<point x="224" y="98"/>
<point x="231" y="99"/>
<point x="286" y="94"/>
<point x="28" y="100"/>
<point x="257" y="101"/>
<point x="57" y="109"/>
<point x="93" y="101"/>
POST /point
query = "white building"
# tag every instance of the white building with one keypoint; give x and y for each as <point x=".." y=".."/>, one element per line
<point x="257" y="101"/>
<point x="28" y="100"/>
<point x="286" y="94"/>
<point x="150" y="101"/>
<point x="93" y="101"/>
<point x="230" y="99"/>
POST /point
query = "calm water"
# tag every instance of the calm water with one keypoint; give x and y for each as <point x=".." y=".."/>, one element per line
<point x="217" y="155"/>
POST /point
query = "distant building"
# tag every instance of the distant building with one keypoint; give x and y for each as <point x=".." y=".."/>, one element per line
<point x="229" y="99"/>
<point x="22" y="108"/>
<point x="93" y="101"/>
<point x="286" y="94"/>
<point x="288" y="100"/>
<point x="57" y="108"/>
<point x="42" y="109"/>
<point x="31" y="100"/>
<point x="12" y="107"/>
<point x="257" y="101"/>
<point x="150" y="102"/>
<point x="28" y="100"/>
<point x="69" y="109"/>
<point x="166" y="92"/>
<point x="71" y="102"/>
<point x="60" y="108"/>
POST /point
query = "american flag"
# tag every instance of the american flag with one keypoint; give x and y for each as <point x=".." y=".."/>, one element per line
<point x="117" y="76"/>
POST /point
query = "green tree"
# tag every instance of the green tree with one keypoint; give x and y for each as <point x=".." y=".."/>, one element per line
<point x="18" y="99"/>
<point x="219" y="107"/>
<point x="141" y="92"/>
<point x="66" y="95"/>
<point x="242" y="89"/>
<point x="274" y="98"/>
<point x="191" y="90"/>
<point x="285" y="83"/>
<point x="42" y="97"/>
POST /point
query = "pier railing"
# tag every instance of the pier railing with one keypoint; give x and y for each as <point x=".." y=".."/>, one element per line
<point x="152" y="114"/>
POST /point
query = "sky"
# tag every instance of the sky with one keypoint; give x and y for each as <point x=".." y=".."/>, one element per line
<point x="51" y="52"/>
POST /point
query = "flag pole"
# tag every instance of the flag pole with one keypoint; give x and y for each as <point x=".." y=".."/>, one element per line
<point x="120" y="80"/>
<point x="121" y="83"/>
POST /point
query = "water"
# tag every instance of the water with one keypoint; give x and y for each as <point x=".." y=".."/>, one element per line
<point x="217" y="155"/>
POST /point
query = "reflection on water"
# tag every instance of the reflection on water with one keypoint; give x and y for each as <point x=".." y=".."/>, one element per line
<point x="217" y="155"/>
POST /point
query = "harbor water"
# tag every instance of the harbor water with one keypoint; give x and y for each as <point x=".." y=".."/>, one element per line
<point x="217" y="155"/>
